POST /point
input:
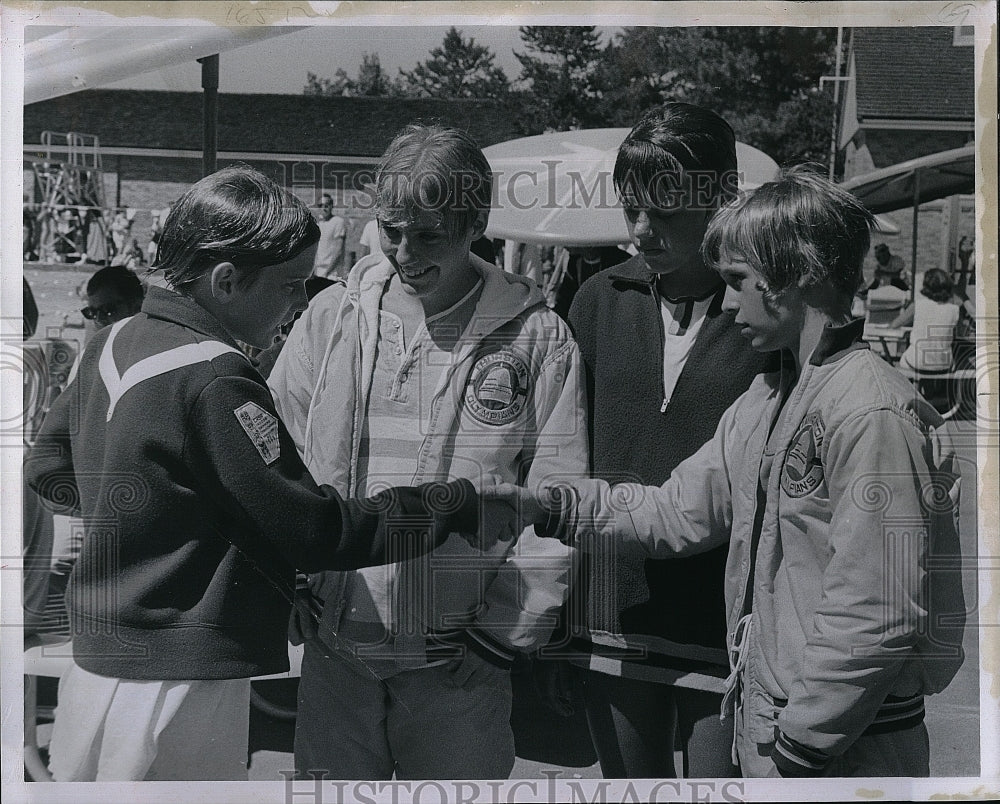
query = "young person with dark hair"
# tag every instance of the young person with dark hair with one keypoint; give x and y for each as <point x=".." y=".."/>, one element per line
<point x="196" y="505"/>
<point x="663" y="362"/>
<point x="834" y="486"/>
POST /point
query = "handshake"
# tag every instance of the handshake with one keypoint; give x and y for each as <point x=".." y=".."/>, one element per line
<point x="507" y="509"/>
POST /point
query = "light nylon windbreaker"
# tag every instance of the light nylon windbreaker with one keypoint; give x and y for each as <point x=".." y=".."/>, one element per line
<point x="849" y="493"/>
<point x="508" y="597"/>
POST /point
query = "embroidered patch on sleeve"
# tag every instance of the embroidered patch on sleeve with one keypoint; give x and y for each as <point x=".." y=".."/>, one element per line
<point x="262" y="427"/>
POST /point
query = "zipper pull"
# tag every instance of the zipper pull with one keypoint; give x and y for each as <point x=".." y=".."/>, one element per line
<point x="663" y="407"/>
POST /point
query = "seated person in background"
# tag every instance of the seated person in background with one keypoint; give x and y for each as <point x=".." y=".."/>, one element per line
<point x="837" y="627"/>
<point x="888" y="269"/>
<point x="933" y="315"/>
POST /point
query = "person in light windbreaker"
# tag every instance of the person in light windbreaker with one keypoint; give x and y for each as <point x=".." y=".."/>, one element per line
<point x="431" y="363"/>
<point x="835" y="486"/>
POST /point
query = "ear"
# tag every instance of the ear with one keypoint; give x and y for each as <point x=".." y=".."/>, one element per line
<point x="223" y="282"/>
<point x="479" y="225"/>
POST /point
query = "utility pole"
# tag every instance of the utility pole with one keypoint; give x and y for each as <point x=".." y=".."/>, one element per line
<point x="210" y="112"/>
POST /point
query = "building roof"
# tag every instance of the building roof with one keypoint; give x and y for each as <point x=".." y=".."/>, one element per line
<point x="913" y="74"/>
<point x="259" y="123"/>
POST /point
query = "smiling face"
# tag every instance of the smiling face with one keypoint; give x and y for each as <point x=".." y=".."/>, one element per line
<point x="431" y="262"/>
<point x="254" y="312"/>
<point x="769" y="321"/>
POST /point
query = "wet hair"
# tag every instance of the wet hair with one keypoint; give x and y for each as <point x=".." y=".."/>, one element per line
<point x="121" y="281"/>
<point x="433" y="169"/>
<point x="937" y="285"/>
<point x="677" y="154"/>
<point x="235" y="215"/>
<point x="800" y="230"/>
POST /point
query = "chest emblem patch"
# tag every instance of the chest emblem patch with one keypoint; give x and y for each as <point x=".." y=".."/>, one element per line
<point x="497" y="390"/>
<point x="802" y="473"/>
<point x="262" y="428"/>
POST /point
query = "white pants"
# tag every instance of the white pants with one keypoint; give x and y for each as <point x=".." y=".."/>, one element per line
<point x="112" y="729"/>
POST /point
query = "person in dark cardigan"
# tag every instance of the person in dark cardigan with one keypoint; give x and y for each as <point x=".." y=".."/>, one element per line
<point x="663" y="361"/>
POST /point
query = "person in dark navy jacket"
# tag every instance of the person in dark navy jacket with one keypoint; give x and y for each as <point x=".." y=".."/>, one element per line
<point x="198" y="510"/>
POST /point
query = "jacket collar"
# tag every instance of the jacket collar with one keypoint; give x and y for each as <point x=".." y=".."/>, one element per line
<point x="838" y="341"/>
<point x="504" y="297"/>
<point x="169" y="305"/>
<point x="634" y="271"/>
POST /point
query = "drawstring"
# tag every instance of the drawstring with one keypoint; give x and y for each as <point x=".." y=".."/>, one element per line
<point x="732" y="701"/>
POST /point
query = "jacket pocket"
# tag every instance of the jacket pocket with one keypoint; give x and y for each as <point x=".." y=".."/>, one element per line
<point x="760" y="712"/>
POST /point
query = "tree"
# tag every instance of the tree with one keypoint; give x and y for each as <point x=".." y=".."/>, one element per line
<point x="371" y="81"/>
<point x="764" y="81"/>
<point x="561" y="78"/>
<point x="460" y="68"/>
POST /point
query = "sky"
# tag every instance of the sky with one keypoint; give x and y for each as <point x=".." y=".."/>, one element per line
<point x="279" y="65"/>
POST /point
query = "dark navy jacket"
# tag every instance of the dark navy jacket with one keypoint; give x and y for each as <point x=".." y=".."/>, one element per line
<point x="196" y="505"/>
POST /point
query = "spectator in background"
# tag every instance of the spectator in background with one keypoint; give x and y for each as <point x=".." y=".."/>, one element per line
<point x="370" y="240"/>
<point x="934" y="315"/>
<point x="330" y="256"/>
<point x="155" y="230"/>
<point x="888" y="269"/>
<point x="578" y="265"/>
<point x="113" y="293"/>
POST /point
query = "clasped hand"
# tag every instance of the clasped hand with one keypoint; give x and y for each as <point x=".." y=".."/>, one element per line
<point x="506" y="510"/>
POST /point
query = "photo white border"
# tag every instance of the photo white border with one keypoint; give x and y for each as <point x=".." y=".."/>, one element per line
<point x="981" y="13"/>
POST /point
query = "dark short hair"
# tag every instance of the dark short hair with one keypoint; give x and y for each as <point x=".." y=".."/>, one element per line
<point x="800" y="230"/>
<point x="680" y="150"/>
<point x="431" y="168"/>
<point x="119" y="279"/>
<point x="938" y="285"/>
<point x="235" y="215"/>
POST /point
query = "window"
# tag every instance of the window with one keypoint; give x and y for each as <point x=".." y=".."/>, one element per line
<point x="964" y="35"/>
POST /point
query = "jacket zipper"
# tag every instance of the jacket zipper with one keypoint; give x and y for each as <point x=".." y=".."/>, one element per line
<point x="655" y="296"/>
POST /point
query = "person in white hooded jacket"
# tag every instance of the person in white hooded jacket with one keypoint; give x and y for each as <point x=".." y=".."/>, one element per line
<point x="836" y="487"/>
<point x="430" y="363"/>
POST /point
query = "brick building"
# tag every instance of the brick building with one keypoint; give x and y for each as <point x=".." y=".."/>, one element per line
<point x="911" y="92"/>
<point x="151" y="141"/>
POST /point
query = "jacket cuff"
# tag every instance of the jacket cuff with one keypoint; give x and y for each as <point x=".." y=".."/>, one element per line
<point x="488" y="648"/>
<point x="794" y="760"/>
<point x="454" y="507"/>
<point x="560" y="513"/>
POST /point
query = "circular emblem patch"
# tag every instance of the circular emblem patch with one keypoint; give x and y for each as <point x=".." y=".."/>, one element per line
<point x="498" y="388"/>
<point x="803" y="469"/>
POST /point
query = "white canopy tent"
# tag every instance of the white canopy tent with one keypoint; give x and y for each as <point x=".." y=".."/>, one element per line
<point x="67" y="60"/>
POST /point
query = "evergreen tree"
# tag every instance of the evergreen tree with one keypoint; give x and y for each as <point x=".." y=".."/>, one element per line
<point x="460" y="68"/>
<point x="562" y="81"/>
<point x="763" y="80"/>
<point x="371" y="81"/>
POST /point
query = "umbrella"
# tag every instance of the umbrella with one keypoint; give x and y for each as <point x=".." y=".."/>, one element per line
<point x="556" y="189"/>
<point x="914" y="182"/>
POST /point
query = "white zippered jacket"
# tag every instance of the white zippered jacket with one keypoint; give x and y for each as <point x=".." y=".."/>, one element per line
<point x="321" y="381"/>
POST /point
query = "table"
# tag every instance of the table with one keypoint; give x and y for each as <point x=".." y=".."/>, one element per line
<point x="890" y="342"/>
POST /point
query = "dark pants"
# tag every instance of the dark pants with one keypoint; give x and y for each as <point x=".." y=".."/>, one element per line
<point x="635" y="726"/>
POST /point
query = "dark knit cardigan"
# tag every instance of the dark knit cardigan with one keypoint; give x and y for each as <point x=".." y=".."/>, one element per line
<point x="617" y="322"/>
<point x="193" y="531"/>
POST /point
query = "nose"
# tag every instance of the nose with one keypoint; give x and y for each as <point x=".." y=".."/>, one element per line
<point x="731" y="302"/>
<point x="301" y="300"/>
<point x="641" y="227"/>
<point x="404" y="250"/>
